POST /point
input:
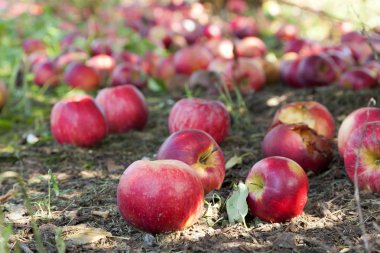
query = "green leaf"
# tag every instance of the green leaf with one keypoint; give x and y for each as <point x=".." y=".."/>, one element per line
<point x="5" y="124"/>
<point x="156" y="85"/>
<point x="54" y="183"/>
<point x="237" y="207"/>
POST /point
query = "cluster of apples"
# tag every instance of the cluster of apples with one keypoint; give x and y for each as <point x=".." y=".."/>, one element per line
<point x="190" y="159"/>
<point x="84" y="121"/>
<point x="350" y="64"/>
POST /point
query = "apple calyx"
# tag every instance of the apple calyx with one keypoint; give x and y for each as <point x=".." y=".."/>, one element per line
<point x="371" y="157"/>
<point x="256" y="185"/>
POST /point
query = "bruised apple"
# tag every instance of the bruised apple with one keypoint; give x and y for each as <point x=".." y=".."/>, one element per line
<point x="160" y="196"/>
<point x="199" y="150"/>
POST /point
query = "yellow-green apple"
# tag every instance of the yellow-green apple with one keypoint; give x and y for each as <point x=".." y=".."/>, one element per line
<point x="78" y="121"/>
<point x="46" y="74"/>
<point x="210" y="116"/>
<point x="246" y="74"/>
<point x="126" y="73"/>
<point x="199" y="150"/>
<point x="317" y="70"/>
<point x="299" y="143"/>
<point x="357" y="78"/>
<point x="362" y="154"/>
<point x="242" y="26"/>
<point x="251" y="47"/>
<point x="278" y="189"/>
<point x="354" y="120"/>
<point x="190" y="59"/>
<point x="3" y="94"/>
<point x="78" y="75"/>
<point x="124" y="108"/>
<point x="313" y="114"/>
<point x="160" y="196"/>
<point x="32" y="45"/>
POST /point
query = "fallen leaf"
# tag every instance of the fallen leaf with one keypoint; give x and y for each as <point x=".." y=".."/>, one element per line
<point x="233" y="161"/>
<point x="81" y="234"/>
<point x="103" y="214"/>
<point x="10" y="194"/>
<point x="236" y="204"/>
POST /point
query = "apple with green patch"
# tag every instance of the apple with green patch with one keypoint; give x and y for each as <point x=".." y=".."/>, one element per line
<point x="362" y="156"/>
<point x="278" y="189"/>
<point x="160" y="196"/>
<point x="199" y="150"/>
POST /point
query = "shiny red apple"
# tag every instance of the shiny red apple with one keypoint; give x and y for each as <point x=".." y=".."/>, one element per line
<point x="46" y="74"/>
<point x="126" y="73"/>
<point x="277" y="188"/>
<point x="357" y="78"/>
<point x="190" y="59"/>
<point x="160" y="196"/>
<point x="78" y="75"/>
<point x="78" y="121"/>
<point x="199" y="150"/>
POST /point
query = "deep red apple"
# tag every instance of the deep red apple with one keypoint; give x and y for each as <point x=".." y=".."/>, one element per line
<point x="357" y="78"/>
<point x="32" y="45"/>
<point x="212" y="31"/>
<point x="46" y="74"/>
<point x="362" y="153"/>
<point x="100" y="47"/>
<point x="65" y="59"/>
<point x="354" y="120"/>
<point x="126" y="73"/>
<point x="194" y="113"/>
<point x="124" y="108"/>
<point x="190" y="59"/>
<point x="358" y="44"/>
<point x="3" y="94"/>
<point x="251" y="47"/>
<point x="317" y="70"/>
<point x="199" y="150"/>
<point x="301" y="144"/>
<point x="242" y="26"/>
<point x="288" y="71"/>
<point x="277" y="188"/>
<point x="78" y="121"/>
<point x="311" y="113"/>
<point x="247" y="74"/>
<point x="78" y="75"/>
<point x="160" y="196"/>
<point x="302" y="47"/>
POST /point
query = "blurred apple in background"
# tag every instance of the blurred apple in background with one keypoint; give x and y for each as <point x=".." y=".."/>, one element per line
<point x="189" y="59"/>
<point x="78" y="75"/>
<point x="46" y="74"/>
<point x="124" y="108"/>
<point x="251" y="47"/>
<point x="125" y="73"/>
<point x="242" y="26"/>
<point x="357" y="78"/>
<point x="32" y="45"/>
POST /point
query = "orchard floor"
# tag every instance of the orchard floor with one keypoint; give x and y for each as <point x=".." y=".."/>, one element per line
<point x="86" y="208"/>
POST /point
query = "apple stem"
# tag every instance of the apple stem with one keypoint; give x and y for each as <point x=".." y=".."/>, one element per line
<point x="204" y="157"/>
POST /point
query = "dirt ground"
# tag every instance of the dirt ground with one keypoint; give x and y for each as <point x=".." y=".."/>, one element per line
<point x="86" y="207"/>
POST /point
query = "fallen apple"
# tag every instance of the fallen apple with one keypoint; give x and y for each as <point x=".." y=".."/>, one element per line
<point x="277" y="188"/>
<point x="199" y="150"/>
<point x="362" y="156"/>
<point x="78" y="75"/>
<point x="78" y="121"/>
<point x="194" y="113"/>
<point x="160" y="196"/>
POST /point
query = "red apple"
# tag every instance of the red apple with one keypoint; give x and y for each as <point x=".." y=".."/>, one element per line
<point x="67" y="58"/>
<point x="357" y="78"/>
<point x="126" y="73"/>
<point x="354" y="120"/>
<point x="221" y="48"/>
<point x="46" y="74"/>
<point x="251" y="47"/>
<point x="165" y="69"/>
<point x="242" y="26"/>
<point x="199" y="150"/>
<point x="358" y="44"/>
<point x="311" y="113"/>
<point x="288" y="71"/>
<point x="100" y="47"/>
<point x="78" y="75"/>
<point x="317" y="70"/>
<point x="212" y="31"/>
<point x="160" y="196"/>
<point x="374" y="67"/>
<point x="277" y="188"/>
<point x="208" y="115"/>
<point x="237" y="6"/>
<point x="124" y="108"/>
<point x="102" y="63"/>
<point x="302" y="47"/>
<point x="36" y="58"/>
<point x="78" y="121"/>
<point x="32" y="45"/>
<point x="190" y="59"/>
<point x="247" y="74"/>
<point x="287" y="32"/>
<point x="299" y="143"/>
<point x="127" y="57"/>
<point x="362" y="153"/>
<point x="3" y="94"/>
